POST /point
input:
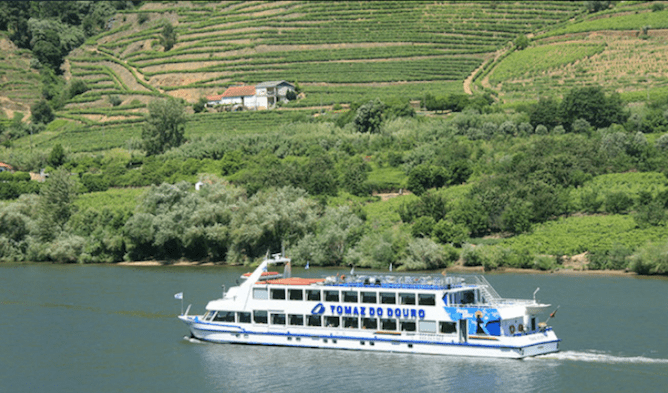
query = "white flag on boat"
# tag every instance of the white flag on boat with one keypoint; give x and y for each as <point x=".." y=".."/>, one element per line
<point x="178" y="295"/>
<point x="390" y="266"/>
<point x="306" y="267"/>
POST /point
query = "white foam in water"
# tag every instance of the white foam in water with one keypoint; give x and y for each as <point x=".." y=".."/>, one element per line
<point x="192" y="339"/>
<point x="600" y="358"/>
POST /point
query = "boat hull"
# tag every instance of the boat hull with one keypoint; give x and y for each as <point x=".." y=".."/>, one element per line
<point x="516" y="347"/>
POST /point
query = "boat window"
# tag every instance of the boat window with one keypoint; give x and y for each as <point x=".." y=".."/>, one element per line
<point x="427" y="299"/>
<point x="260" y="316"/>
<point x="388" y="324"/>
<point x="278" y="293"/>
<point x="296" y="320"/>
<point x="331" y="296"/>
<point x="244" y="317"/>
<point x="368" y="297"/>
<point x="313" y="295"/>
<point x="388" y="298"/>
<point x="467" y="297"/>
<point x="208" y="315"/>
<point x="369" y="323"/>
<point x="224" y="316"/>
<point x="296" y="294"/>
<point x="408" y="326"/>
<point x="314" y="320"/>
<point x="447" y="327"/>
<point x="332" y="321"/>
<point x="427" y="326"/>
<point x="406" y="298"/>
<point x="350" y="296"/>
<point x="277" y="319"/>
<point x="350" y="322"/>
<point x="260" y="293"/>
<point x="533" y="323"/>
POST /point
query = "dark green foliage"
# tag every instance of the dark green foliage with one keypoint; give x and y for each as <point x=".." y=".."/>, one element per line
<point x="355" y="175"/>
<point x="77" y="86"/>
<point x="369" y="116"/>
<point x="200" y="105"/>
<point x="164" y="127"/>
<point x="291" y="95"/>
<point x="447" y="232"/>
<point x="56" y="200"/>
<point x="114" y="100"/>
<point x="168" y="36"/>
<point x="57" y="156"/>
<point x="423" y="226"/>
<point x="597" y="5"/>
<point x="618" y="202"/>
<point x="592" y="105"/>
<point x="521" y="42"/>
<point x="94" y="182"/>
<point x="42" y="112"/>
<point x="545" y="112"/>
<point x="398" y="107"/>
<point x="430" y="204"/>
<point x="657" y="7"/>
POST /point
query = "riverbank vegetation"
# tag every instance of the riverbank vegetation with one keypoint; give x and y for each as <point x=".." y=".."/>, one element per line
<point x="389" y="168"/>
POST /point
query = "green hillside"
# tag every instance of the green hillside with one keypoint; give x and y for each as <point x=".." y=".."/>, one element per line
<point x="501" y="134"/>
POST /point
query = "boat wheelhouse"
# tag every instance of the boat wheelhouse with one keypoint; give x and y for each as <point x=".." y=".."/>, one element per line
<point x="447" y="315"/>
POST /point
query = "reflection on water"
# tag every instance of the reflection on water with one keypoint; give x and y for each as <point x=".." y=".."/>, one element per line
<point x="254" y="368"/>
<point x="112" y="328"/>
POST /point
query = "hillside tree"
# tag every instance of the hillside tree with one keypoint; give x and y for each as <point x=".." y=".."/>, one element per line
<point x="165" y="126"/>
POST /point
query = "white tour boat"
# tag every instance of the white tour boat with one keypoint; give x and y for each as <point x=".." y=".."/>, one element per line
<point x="444" y="315"/>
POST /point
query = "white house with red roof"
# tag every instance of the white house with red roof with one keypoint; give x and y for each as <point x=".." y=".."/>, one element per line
<point x="262" y="96"/>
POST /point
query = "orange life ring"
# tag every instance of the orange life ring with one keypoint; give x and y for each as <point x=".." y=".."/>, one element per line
<point x="512" y="329"/>
<point x="520" y="328"/>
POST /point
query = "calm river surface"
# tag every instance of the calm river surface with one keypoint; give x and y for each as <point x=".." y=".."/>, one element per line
<point x="114" y="328"/>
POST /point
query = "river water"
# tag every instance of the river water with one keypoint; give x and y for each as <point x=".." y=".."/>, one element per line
<point x="113" y="328"/>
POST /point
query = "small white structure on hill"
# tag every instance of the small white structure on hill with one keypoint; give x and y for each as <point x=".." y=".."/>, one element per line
<point x="262" y="96"/>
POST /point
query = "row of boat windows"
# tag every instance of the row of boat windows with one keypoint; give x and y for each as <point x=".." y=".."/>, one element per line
<point x="316" y="295"/>
<point x="387" y="324"/>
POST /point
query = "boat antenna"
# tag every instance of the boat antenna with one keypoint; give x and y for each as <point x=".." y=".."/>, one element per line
<point x="534" y="294"/>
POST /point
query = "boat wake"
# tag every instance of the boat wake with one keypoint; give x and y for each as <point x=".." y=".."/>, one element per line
<point x="193" y="340"/>
<point x="595" y="357"/>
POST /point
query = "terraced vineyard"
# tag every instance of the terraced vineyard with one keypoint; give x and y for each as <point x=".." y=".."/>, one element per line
<point x="337" y="51"/>
<point x="623" y="50"/>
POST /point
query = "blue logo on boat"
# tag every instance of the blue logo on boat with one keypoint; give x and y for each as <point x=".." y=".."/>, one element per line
<point x="318" y="309"/>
